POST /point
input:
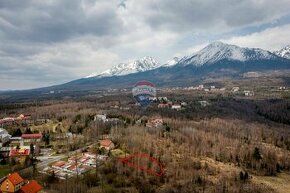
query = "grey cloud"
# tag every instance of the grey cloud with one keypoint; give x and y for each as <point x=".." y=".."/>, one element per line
<point x="190" y="15"/>
<point x="50" y="21"/>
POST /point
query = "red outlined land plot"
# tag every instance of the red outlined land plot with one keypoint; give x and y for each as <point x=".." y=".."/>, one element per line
<point x="146" y="164"/>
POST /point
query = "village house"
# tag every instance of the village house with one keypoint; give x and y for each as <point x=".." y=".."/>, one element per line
<point x="32" y="138"/>
<point x="282" y="88"/>
<point x="235" y="89"/>
<point x="31" y="187"/>
<point x="16" y="141"/>
<point x="4" y="137"/>
<point x="176" y="107"/>
<point x="11" y="120"/>
<point x="102" y="118"/>
<point x="58" y="165"/>
<point x="183" y="104"/>
<point x="107" y="144"/>
<point x="161" y="106"/>
<point x="12" y="183"/>
<point x="24" y="117"/>
<point x="19" y="154"/>
<point x="248" y="93"/>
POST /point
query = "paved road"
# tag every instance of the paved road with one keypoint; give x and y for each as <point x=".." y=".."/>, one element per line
<point x="45" y="161"/>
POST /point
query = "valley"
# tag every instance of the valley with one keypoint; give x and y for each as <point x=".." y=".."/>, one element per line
<point x="217" y="138"/>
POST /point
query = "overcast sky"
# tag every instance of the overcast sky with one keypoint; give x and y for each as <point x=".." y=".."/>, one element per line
<point x="46" y="42"/>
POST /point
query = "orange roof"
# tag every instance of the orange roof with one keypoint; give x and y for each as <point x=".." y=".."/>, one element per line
<point x="59" y="164"/>
<point x="72" y="167"/>
<point x="15" y="178"/>
<point x="19" y="152"/>
<point x="106" y="143"/>
<point x="31" y="187"/>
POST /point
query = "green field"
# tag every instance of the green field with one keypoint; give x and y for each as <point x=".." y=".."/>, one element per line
<point x="4" y="170"/>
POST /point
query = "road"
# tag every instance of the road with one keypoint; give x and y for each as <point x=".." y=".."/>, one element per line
<point x="46" y="160"/>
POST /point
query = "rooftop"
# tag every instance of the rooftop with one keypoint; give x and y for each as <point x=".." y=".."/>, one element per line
<point x="15" y="178"/>
<point x="106" y="142"/>
<point x="34" y="135"/>
<point x="31" y="187"/>
<point x="19" y="152"/>
<point x="59" y="164"/>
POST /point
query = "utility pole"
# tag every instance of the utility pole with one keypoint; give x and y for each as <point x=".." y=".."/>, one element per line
<point x="65" y="183"/>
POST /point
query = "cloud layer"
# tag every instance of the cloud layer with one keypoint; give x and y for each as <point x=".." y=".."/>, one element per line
<point x="54" y="41"/>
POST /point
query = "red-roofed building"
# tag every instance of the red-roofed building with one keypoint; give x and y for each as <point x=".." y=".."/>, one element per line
<point x="31" y="187"/>
<point x="19" y="154"/>
<point x="35" y="137"/>
<point x="12" y="183"/>
<point x="59" y="165"/>
<point x="107" y="144"/>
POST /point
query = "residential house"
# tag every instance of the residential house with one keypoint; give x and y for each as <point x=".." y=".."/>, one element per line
<point x="16" y="141"/>
<point x="32" y="138"/>
<point x="58" y="165"/>
<point x="102" y="118"/>
<point x="248" y="93"/>
<point x="282" y="88"/>
<point x="183" y="104"/>
<point x="12" y="183"/>
<point x="19" y="154"/>
<point x="23" y="117"/>
<point x="31" y="187"/>
<point x="235" y="89"/>
<point x="161" y="106"/>
<point x="176" y="107"/>
<point x="107" y="144"/>
<point x="4" y="136"/>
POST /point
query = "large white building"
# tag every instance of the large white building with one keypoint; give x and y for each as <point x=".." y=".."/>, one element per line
<point x="4" y="136"/>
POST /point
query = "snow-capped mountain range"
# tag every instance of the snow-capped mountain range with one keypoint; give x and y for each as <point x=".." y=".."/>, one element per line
<point x="284" y="52"/>
<point x="141" y="65"/>
<point x="214" y="52"/>
<point x="218" y="51"/>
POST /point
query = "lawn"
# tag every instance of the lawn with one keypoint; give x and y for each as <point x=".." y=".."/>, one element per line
<point x="4" y="170"/>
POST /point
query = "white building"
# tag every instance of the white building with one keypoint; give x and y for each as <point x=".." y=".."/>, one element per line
<point x="248" y="93"/>
<point x="176" y="107"/>
<point x="4" y="136"/>
<point x="235" y="89"/>
<point x="102" y="118"/>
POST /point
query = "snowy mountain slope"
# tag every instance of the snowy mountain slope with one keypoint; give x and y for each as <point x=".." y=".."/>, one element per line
<point x="284" y="52"/>
<point x="141" y="65"/>
<point x="218" y="51"/>
<point x="172" y="62"/>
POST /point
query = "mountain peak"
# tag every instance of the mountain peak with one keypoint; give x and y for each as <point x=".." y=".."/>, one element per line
<point x="218" y="51"/>
<point x="141" y="65"/>
<point x="217" y="44"/>
<point x="284" y="52"/>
